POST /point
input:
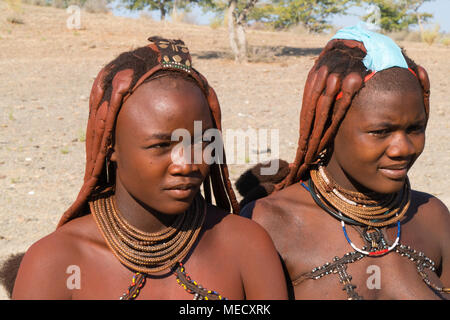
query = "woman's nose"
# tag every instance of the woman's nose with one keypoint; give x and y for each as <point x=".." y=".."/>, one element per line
<point x="184" y="160"/>
<point x="402" y="146"/>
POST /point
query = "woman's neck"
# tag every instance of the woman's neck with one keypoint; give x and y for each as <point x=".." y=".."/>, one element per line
<point x="138" y="214"/>
<point x="342" y="178"/>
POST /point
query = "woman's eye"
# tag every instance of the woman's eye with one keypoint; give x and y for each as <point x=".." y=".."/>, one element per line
<point x="380" y="132"/>
<point x="160" y="145"/>
<point x="416" y="129"/>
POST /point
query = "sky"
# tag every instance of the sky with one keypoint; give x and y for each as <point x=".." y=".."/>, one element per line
<point x="439" y="8"/>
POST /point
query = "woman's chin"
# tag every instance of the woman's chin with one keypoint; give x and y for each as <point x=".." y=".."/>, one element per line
<point x="390" y="186"/>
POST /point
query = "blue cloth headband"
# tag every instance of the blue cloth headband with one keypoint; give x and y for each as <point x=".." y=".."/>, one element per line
<point x="382" y="52"/>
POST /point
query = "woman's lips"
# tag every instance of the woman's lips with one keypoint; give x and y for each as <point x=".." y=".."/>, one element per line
<point x="394" y="173"/>
<point x="182" y="191"/>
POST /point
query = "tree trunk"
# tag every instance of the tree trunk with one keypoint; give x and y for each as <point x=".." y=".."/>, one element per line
<point x="231" y="29"/>
<point x="419" y="22"/>
<point x="175" y="12"/>
<point x="162" y="10"/>
<point x="242" y="43"/>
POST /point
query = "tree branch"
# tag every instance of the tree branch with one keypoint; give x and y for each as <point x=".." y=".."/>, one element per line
<point x="242" y="17"/>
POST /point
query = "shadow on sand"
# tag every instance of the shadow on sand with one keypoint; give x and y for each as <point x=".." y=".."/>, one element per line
<point x="259" y="53"/>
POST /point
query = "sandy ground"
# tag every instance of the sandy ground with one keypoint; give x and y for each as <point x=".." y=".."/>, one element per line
<point x="46" y="72"/>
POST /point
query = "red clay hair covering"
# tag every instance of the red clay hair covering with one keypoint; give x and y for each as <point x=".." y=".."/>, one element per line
<point x="337" y="75"/>
<point x="103" y="110"/>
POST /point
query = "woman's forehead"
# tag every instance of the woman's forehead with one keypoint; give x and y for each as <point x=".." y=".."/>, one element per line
<point x="164" y="102"/>
<point x="388" y="105"/>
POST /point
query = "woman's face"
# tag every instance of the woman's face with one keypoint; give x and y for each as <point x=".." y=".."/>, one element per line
<point x="147" y="166"/>
<point x="378" y="141"/>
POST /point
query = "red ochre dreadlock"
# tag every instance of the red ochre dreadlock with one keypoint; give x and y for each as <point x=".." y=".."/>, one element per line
<point x="336" y="77"/>
<point x="113" y="85"/>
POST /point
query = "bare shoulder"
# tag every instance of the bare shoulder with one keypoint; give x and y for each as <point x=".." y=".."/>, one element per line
<point x="43" y="271"/>
<point x="432" y="217"/>
<point x="279" y="210"/>
<point x="247" y="246"/>
<point x="431" y="213"/>
<point x="234" y="228"/>
<point x="429" y="209"/>
<point x="66" y="241"/>
<point x="238" y="237"/>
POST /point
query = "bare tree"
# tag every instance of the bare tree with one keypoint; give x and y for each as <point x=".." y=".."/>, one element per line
<point x="237" y="23"/>
<point x="237" y="13"/>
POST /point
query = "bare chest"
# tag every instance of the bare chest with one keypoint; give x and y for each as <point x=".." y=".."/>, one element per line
<point x="107" y="279"/>
<point x="323" y="265"/>
<point x="360" y="277"/>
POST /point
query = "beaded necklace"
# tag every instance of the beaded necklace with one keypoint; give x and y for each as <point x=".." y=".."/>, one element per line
<point x="192" y="287"/>
<point x="372" y="235"/>
<point x="183" y="279"/>
<point x="374" y="245"/>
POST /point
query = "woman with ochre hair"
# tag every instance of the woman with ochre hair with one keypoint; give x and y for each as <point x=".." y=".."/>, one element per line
<point x="345" y="220"/>
<point x="140" y="227"/>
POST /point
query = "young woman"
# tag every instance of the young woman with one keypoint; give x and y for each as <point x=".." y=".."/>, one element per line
<point x="140" y="223"/>
<point x="345" y="220"/>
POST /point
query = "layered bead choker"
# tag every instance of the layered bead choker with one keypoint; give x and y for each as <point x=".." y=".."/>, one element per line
<point x="146" y="252"/>
<point x="363" y="209"/>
